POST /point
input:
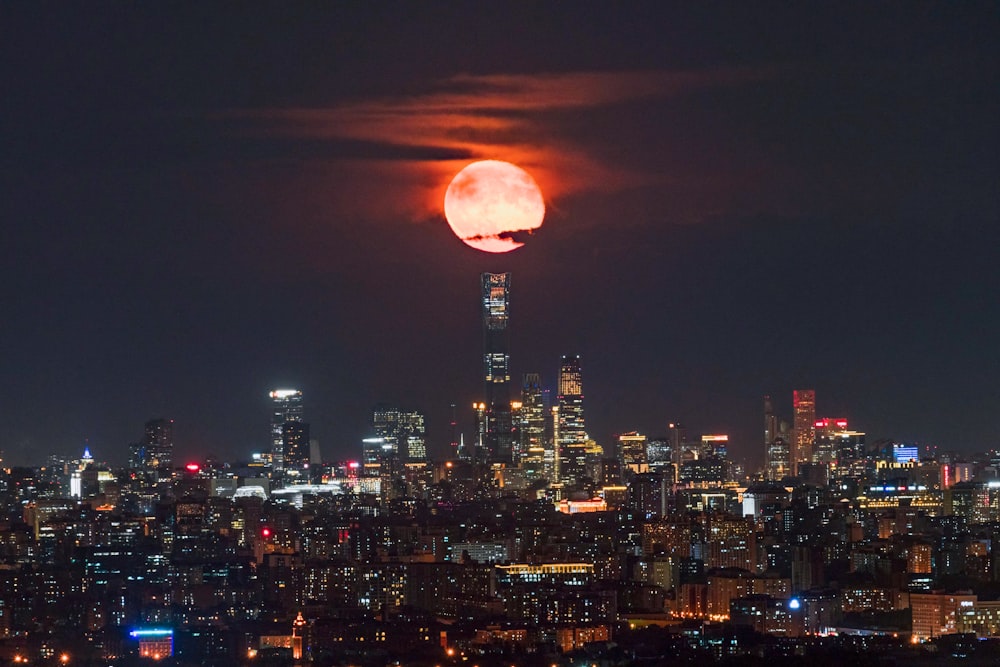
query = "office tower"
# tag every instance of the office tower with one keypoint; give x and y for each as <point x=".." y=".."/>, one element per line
<point x="286" y="406"/>
<point x="516" y="408"/>
<point x="632" y="452"/>
<point x="716" y="445"/>
<point x="295" y="444"/>
<point x="378" y="455"/>
<point x="498" y="428"/>
<point x="572" y="431"/>
<point x="158" y="444"/>
<point x="413" y="435"/>
<point x="385" y="424"/>
<point x="826" y="443"/>
<point x="779" y="463"/>
<point x="804" y="408"/>
<point x="777" y="454"/>
<point x="658" y="453"/>
<point x="532" y="426"/>
<point x="405" y="430"/>
<point x="835" y="444"/>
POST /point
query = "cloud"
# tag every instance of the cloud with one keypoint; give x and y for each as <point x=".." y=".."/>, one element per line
<point x="416" y="142"/>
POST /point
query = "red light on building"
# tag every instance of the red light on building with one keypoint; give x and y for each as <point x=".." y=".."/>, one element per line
<point x="265" y="532"/>
<point x="842" y="423"/>
<point x="192" y="467"/>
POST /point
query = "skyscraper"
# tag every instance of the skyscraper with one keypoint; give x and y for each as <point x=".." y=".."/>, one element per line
<point x="532" y="429"/>
<point x="295" y="444"/>
<point x="158" y="444"/>
<point x="776" y="450"/>
<point x="498" y="429"/>
<point x="632" y="452"/>
<point x="286" y="406"/>
<point x="404" y="429"/>
<point x="572" y="439"/>
<point x="804" y="408"/>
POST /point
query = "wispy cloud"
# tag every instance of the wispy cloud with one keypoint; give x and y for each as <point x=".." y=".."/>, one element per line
<point x="417" y="142"/>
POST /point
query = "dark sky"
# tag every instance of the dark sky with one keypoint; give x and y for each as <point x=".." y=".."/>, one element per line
<point x="200" y="204"/>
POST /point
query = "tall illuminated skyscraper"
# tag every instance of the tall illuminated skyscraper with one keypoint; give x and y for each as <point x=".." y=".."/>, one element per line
<point x="286" y="406"/>
<point x="804" y="408"/>
<point x="572" y="439"/>
<point x="531" y="452"/>
<point x="498" y="430"/>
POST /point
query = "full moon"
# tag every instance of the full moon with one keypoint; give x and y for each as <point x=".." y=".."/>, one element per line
<point x="489" y="202"/>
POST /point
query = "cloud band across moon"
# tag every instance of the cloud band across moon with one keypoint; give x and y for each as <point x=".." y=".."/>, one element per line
<point x="420" y="141"/>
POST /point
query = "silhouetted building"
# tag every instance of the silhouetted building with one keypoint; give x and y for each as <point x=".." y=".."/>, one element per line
<point x="158" y="444"/>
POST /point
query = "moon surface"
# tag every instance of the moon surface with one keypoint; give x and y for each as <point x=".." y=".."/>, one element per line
<point x="491" y="201"/>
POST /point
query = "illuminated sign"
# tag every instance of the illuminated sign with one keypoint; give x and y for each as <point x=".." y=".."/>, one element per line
<point x="152" y="632"/>
<point x="905" y="453"/>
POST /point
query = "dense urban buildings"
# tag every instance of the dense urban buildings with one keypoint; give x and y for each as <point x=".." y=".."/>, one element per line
<point x="535" y="546"/>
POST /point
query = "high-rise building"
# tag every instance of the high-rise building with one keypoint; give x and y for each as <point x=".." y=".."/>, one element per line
<point x="498" y="430"/>
<point x="632" y="452"/>
<point x="777" y="456"/>
<point x="572" y="430"/>
<point x="677" y="436"/>
<point x="404" y="429"/>
<point x="804" y="409"/>
<point x="531" y="452"/>
<point x="826" y="442"/>
<point x="295" y="444"/>
<point x="413" y="435"/>
<point x="286" y="406"/>
<point x="158" y="444"/>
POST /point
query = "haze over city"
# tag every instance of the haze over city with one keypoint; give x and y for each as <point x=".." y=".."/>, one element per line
<point x="202" y="205"/>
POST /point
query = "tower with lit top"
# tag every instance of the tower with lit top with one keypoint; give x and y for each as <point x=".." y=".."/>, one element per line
<point x="498" y="430"/>
<point x="572" y="439"/>
<point x="804" y="408"/>
<point x="286" y="406"/>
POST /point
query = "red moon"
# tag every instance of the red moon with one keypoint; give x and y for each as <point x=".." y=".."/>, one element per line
<point x="490" y="200"/>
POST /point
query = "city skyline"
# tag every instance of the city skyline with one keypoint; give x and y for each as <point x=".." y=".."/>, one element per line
<point x="739" y="203"/>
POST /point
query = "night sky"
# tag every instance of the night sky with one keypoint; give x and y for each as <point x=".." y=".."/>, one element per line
<point x="200" y="204"/>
